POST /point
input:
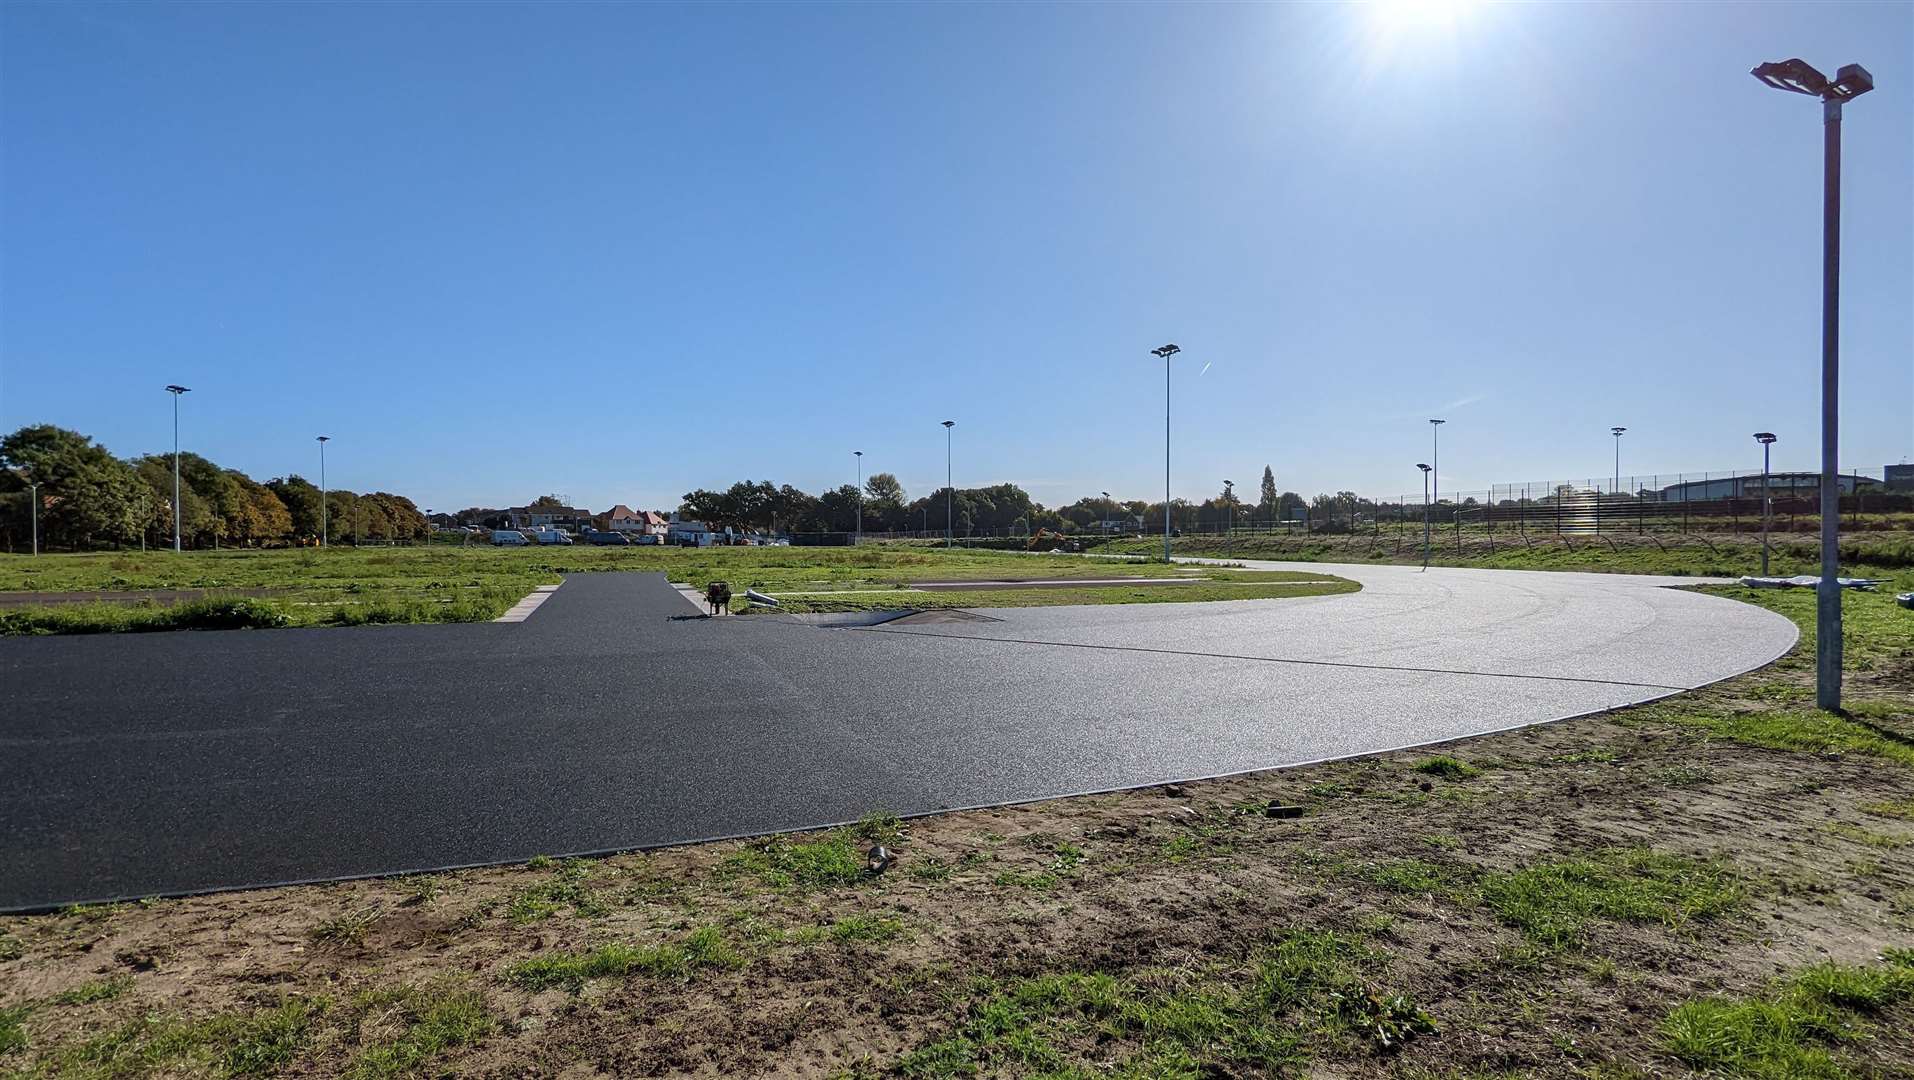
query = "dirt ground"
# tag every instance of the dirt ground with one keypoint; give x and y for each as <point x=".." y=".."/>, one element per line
<point x="1437" y="913"/>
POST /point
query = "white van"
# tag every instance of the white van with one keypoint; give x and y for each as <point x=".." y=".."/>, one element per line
<point x="552" y="536"/>
<point x="509" y="538"/>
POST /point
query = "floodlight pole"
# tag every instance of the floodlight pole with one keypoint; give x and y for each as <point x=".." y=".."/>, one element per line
<point x="33" y="495"/>
<point x="325" y="522"/>
<point x="1852" y="80"/>
<point x="1766" y="439"/>
<point x="950" y="519"/>
<point x="176" y="391"/>
<point x="1166" y="352"/>
<point x="1435" y="456"/>
<point x="1827" y="608"/>
<point x="1615" y="485"/>
<point x="860" y="496"/>
<point x="1426" y="470"/>
<point x="1229" y="518"/>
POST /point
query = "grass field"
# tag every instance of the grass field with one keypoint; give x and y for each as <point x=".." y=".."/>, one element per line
<point x="346" y="586"/>
<point x="1719" y="884"/>
<point x="1887" y="555"/>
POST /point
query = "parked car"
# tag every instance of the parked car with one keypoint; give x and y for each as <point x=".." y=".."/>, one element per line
<point x="509" y="538"/>
<point x="552" y="536"/>
<point x="613" y="539"/>
<point x="649" y="538"/>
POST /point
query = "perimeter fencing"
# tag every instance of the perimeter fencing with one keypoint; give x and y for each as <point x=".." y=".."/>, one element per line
<point x="1728" y="502"/>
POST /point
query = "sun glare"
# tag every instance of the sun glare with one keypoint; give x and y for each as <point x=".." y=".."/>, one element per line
<point x="1397" y="16"/>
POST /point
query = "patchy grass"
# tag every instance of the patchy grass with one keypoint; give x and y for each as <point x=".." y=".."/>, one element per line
<point x="874" y="929"/>
<point x="254" y="1043"/>
<point x="432" y="1020"/>
<point x="13" y="1032"/>
<point x="1553" y="902"/>
<point x="97" y="990"/>
<point x="349" y="928"/>
<point x="703" y="948"/>
<point x="834" y="861"/>
<point x="568" y="887"/>
<point x="1261" y="1014"/>
<point x="1792" y="1032"/>
<point x="1447" y="768"/>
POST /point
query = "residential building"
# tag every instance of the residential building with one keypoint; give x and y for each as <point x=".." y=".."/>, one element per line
<point x="573" y="519"/>
<point x="624" y="519"/>
<point x="689" y="533"/>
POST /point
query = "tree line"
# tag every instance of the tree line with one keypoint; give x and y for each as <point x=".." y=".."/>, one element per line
<point x="90" y="499"/>
<point x="998" y="510"/>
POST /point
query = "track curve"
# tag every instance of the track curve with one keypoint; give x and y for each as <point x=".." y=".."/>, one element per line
<point x="613" y="718"/>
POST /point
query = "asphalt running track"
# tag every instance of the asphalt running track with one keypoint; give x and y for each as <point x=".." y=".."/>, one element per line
<point x="613" y="718"/>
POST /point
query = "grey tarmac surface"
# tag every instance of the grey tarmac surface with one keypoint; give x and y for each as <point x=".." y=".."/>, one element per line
<point x="617" y="718"/>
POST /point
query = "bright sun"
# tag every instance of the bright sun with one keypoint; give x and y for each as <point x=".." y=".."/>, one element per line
<point x="1403" y="15"/>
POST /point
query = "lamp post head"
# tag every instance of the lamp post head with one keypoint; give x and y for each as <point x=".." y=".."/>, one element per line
<point x="177" y="390"/>
<point x="1165" y="351"/>
<point x="950" y="423"/>
<point x="1438" y="421"/>
<point x="1617" y="431"/>
<point x="1800" y="77"/>
<point x="1764" y="437"/>
<point x="1421" y="466"/>
<point x="859" y="453"/>
<point x="323" y="438"/>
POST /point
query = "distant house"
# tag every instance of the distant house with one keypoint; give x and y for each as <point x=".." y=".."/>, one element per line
<point x="688" y="533"/>
<point x="565" y="518"/>
<point x="624" y="519"/>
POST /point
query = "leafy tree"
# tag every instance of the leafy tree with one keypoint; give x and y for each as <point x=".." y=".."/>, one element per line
<point x="884" y="488"/>
<point x="301" y="499"/>
<point x="702" y="505"/>
<point x="838" y="508"/>
<point x="883" y="502"/>
<point x="88" y="497"/>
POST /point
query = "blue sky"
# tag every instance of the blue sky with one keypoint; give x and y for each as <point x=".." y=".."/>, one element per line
<point x="621" y="251"/>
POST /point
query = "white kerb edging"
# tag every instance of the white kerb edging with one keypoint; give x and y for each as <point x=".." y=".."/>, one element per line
<point x="524" y="608"/>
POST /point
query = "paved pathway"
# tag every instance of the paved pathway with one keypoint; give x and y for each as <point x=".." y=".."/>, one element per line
<point x="614" y="717"/>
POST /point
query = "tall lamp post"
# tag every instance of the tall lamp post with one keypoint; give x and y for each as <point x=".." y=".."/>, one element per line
<point x="1426" y="470"/>
<point x="176" y="391"/>
<point x="1229" y="517"/>
<point x="1435" y="456"/>
<point x="1766" y="439"/>
<point x="325" y="521"/>
<point x="1109" y="507"/>
<point x="33" y="501"/>
<point x="950" y="519"/>
<point x="1797" y="76"/>
<point x="1615" y="486"/>
<point x="860" y="495"/>
<point x="1166" y="351"/>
